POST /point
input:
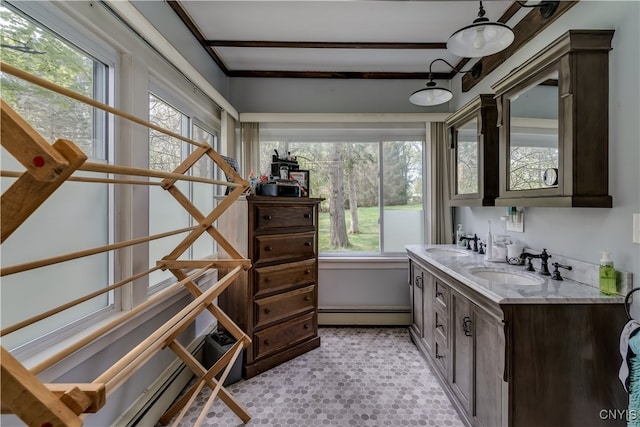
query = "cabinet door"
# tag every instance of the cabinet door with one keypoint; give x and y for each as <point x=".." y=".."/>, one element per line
<point x="461" y="329"/>
<point x="416" y="302"/>
<point x="428" y="310"/>
<point x="487" y="395"/>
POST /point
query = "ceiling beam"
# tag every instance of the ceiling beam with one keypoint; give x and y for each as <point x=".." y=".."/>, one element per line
<point x="323" y="45"/>
<point x="525" y="30"/>
<point x="186" y="19"/>
<point x="337" y="74"/>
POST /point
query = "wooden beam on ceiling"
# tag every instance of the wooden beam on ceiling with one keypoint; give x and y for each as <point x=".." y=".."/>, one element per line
<point x="323" y="45"/>
<point x="337" y="74"/>
<point x="525" y="30"/>
<point x="186" y="19"/>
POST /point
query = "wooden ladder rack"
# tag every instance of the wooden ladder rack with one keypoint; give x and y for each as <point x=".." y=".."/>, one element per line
<point x="47" y="167"/>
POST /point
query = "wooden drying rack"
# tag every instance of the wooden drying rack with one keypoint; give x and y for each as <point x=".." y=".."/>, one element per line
<point x="48" y="166"/>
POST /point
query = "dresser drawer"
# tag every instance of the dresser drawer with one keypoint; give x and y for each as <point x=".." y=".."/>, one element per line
<point x="441" y="294"/>
<point x="287" y="304"/>
<point x="277" y="337"/>
<point x="270" y="217"/>
<point x="441" y="355"/>
<point x="285" y="276"/>
<point x="281" y="247"/>
<point x="440" y="325"/>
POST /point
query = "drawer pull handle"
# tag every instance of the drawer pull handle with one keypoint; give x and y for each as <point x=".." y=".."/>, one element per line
<point x="267" y="311"/>
<point x="439" y="294"/>
<point x="267" y="217"/>
<point x="307" y="215"/>
<point x="268" y="248"/>
<point x="267" y="280"/>
<point x="307" y="298"/>
<point x="307" y="272"/>
<point x="306" y="326"/>
<point x="439" y="325"/>
<point x="466" y="326"/>
<point x="439" y="356"/>
<point x="307" y="243"/>
<point x="266" y="342"/>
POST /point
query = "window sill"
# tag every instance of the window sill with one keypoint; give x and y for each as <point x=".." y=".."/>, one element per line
<point x="369" y="262"/>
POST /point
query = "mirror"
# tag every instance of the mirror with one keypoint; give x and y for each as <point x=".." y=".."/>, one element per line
<point x="553" y="116"/>
<point x="533" y="138"/>
<point x="466" y="162"/>
<point x="473" y="163"/>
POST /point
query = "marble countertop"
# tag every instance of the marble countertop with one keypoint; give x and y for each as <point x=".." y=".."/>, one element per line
<point x="546" y="291"/>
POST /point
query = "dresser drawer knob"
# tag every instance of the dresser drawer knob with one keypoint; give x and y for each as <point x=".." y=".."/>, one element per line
<point x="268" y="248"/>
<point x="267" y="311"/>
<point x="307" y="298"/>
<point x="307" y="243"/>
<point x="267" y="217"/>
<point x="266" y="342"/>
<point x="307" y="215"/>
<point x="307" y="272"/>
<point x="266" y="280"/>
<point x="306" y="326"/>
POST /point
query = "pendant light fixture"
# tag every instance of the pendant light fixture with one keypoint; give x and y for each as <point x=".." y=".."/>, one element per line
<point x="434" y="95"/>
<point x="481" y="38"/>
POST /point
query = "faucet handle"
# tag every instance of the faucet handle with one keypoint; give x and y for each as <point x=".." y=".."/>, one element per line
<point x="481" y="246"/>
<point x="556" y="273"/>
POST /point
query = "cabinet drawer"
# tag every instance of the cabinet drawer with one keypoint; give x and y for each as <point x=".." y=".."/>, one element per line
<point x="440" y="325"/>
<point x="441" y="355"/>
<point x="276" y="307"/>
<point x="277" y="337"/>
<point x="441" y="293"/>
<point x="275" y="217"/>
<point x="284" y="276"/>
<point x="281" y="247"/>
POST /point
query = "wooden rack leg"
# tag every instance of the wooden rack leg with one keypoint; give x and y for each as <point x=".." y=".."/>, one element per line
<point x="31" y="400"/>
<point x="27" y="193"/>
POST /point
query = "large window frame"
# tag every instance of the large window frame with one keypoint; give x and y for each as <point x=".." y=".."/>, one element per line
<point x="133" y="69"/>
<point x="286" y="136"/>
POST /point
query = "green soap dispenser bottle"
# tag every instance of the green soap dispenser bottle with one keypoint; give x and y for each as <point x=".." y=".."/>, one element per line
<point x="607" y="275"/>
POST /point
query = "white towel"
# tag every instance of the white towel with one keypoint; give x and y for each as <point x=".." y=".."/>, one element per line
<point x="631" y="328"/>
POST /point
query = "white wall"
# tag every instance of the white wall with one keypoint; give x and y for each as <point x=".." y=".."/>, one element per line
<point x="581" y="233"/>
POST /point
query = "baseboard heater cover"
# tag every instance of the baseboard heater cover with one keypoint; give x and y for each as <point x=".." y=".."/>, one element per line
<point x="369" y="316"/>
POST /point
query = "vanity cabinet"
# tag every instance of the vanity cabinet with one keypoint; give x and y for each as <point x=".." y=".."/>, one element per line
<point x="276" y="301"/>
<point x="521" y="364"/>
<point x="553" y="115"/>
<point x="473" y="139"/>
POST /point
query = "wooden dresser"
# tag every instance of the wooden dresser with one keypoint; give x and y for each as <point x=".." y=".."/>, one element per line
<point x="276" y="301"/>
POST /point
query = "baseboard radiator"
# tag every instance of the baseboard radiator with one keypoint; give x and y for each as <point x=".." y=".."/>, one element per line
<point x="150" y="406"/>
<point x="364" y="315"/>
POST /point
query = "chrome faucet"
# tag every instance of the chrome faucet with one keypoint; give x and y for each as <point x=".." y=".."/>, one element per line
<point x="544" y="257"/>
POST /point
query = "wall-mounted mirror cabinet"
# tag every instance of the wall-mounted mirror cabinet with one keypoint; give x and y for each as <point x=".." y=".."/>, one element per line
<point x="474" y="153"/>
<point x="553" y="115"/>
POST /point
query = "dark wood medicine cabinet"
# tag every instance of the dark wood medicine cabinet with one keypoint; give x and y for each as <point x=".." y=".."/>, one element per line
<point x="473" y="138"/>
<point x="553" y="116"/>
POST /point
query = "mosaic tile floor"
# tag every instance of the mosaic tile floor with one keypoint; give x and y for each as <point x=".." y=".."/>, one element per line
<point x="357" y="377"/>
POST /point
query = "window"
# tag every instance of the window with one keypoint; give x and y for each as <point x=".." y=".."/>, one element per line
<point x="370" y="176"/>
<point x="166" y="153"/>
<point x="77" y="215"/>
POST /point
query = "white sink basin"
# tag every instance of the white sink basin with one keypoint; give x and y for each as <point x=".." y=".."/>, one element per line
<point x="506" y="277"/>
<point x="446" y="252"/>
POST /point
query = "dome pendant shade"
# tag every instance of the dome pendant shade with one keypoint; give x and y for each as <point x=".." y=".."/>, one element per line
<point x="481" y="38"/>
<point x="431" y="95"/>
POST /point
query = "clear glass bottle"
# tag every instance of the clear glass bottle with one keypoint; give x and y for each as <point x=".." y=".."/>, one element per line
<point x="459" y="234"/>
<point x="607" y="275"/>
